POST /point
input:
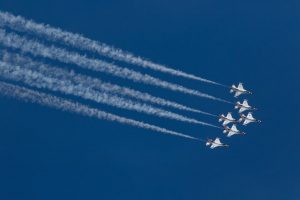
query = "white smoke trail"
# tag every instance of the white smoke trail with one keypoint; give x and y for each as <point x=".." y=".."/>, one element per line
<point x="78" y="41"/>
<point x="36" y="79"/>
<point x="29" y="95"/>
<point x="89" y="82"/>
<point x="37" y="49"/>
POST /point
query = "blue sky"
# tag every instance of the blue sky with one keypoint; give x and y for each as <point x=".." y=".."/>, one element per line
<point x="49" y="154"/>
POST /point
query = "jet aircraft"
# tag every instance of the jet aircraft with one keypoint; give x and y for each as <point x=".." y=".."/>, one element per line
<point x="227" y="119"/>
<point x="215" y="143"/>
<point x="243" y="106"/>
<point x="248" y="119"/>
<point x="239" y="90"/>
<point x="232" y="131"/>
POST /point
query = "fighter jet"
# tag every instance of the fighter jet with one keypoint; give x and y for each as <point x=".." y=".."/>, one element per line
<point x="239" y="90"/>
<point x="232" y="131"/>
<point x="227" y="119"/>
<point x="243" y="106"/>
<point x="215" y="143"/>
<point x="248" y="119"/>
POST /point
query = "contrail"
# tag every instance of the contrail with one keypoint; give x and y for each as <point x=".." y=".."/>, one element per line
<point x="29" y="95"/>
<point x="89" y="82"/>
<point x="21" y="24"/>
<point x="36" y="79"/>
<point x="37" y="49"/>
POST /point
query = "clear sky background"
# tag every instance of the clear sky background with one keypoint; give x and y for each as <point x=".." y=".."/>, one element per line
<point x="49" y="154"/>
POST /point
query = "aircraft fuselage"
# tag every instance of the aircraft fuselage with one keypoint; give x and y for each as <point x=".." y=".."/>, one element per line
<point x="224" y="118"/>
<point x="238" y="90"/>
<point x="229" y="130"/>
<point x="242" y="106"/>
<point x="252" y="120"/>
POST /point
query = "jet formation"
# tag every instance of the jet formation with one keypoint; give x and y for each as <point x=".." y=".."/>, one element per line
<point x="227" y="120"/>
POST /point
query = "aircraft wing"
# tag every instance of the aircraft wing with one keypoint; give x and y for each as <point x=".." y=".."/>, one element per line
<point x="240" y="86"/>
<point x="245" y="103"/>
<point x="233" y="128"/>
<point x="230" y="134"/>
<point x="237" y="93"/>
<point x="229" y="116"/>
<point x="250" y="116"/>
<point x="246" y="122"/>
<point x="226" y="122"/>
<point x="217" y="141"/>
<point x="214" y="146"/>
<point x="242" y="109"/>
